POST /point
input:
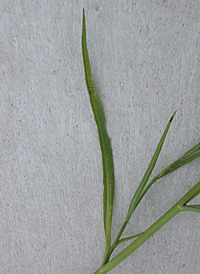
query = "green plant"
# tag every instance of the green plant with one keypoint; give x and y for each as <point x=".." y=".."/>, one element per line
<point x="108" y="179"/>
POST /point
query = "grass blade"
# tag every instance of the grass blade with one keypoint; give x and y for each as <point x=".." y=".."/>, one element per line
<point x="105" y="144"/>
<point x="185" y="159"/>
<point x="189" y="156"/>
<point x="144" y="181"/>
<point x="149" y="169"/>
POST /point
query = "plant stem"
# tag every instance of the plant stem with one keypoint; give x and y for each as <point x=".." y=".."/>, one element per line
<point x="173" y="211"/>
<point x="139" y="241"/>
<point x="122" y="241"/>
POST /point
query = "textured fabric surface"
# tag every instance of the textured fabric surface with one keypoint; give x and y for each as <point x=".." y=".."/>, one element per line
<point x="145" y="62"/>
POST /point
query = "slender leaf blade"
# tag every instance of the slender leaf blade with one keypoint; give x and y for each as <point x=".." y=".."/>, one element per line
<point x="149" y="170"/>
<point x="105" y="143"/>
<point x="144" y="181"/>
<point x="171" y="168"/>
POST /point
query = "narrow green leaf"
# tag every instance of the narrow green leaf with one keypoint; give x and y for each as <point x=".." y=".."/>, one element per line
<point x="189" y="156"/>
<point x="149" y="170"/>
<point x="185" y="159"/>
<point x="105" y="144"/>
<point x="144" y="181"/>
<point x="191" y="151"/>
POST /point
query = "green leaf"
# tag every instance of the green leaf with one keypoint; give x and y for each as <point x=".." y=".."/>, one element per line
<point x="105" y="144"/>
<point x="149" y="170"/>
<point x="144" y="181"/>
<point x="188" y="157"/>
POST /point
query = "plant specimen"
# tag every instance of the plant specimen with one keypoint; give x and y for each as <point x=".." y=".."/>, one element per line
<point x="108" y="179"/>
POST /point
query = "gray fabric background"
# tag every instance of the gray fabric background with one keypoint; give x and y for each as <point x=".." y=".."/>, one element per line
<point x="145" y="57"/>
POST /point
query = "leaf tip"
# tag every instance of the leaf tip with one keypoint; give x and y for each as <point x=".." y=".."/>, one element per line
<point x="170" y="120"/>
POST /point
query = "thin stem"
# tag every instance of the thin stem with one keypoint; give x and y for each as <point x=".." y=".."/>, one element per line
<point x="122" y="241"/>
<point x="173" y="211"/>
<point x="120" y="232"/>
<point x="191" y="208"/>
